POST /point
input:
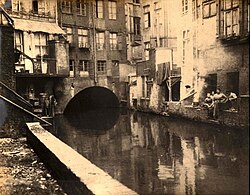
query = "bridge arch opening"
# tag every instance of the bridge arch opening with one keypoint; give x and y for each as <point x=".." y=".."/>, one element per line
<point x="94" y="108"/>
<point x="92" y="98"/>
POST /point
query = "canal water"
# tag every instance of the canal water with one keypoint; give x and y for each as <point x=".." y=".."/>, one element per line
<point x="154" y="154"/>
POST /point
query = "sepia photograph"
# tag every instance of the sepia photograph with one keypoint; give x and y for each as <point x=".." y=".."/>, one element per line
<point x="124" y="97"/>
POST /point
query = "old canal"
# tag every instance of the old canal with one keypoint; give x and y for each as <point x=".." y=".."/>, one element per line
<point x="153" y="154"/>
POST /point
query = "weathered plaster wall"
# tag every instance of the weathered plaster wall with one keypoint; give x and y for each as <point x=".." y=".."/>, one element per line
<point x="7" y="56"/>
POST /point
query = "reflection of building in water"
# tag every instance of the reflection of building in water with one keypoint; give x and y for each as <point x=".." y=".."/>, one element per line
<point x="152" y="159"/>
<point x="134" y="129"/>
<point x="154" y="125"/>
<point x="187" y="171"/>
<point x="166" y="164"/>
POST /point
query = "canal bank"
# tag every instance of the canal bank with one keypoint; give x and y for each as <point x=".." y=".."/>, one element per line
<point x="235" y="118"/>
<point x="74" y="172"/>
<point x="22" y="172"/>
<point x="238" y="118"/>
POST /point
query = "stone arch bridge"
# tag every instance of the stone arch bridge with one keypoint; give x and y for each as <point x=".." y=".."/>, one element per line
<point x="88" y="95"/>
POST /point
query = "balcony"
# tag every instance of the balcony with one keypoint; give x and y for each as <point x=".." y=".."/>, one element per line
<point x="39" y="67"/>
<point x="100" y="46"/>
<point x="136" y="37"/>
<point x="83" y="45"/>
<point x="30" y="15"/>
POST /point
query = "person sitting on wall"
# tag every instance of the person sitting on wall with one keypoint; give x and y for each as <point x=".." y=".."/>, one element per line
<point x="209" y="104"/>
<point x="212" y="95"/>
<point x="232" y="100"/>
<point x="220" y="100"/>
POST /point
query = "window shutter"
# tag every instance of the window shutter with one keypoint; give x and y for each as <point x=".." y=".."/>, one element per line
<point x="153" y="42"/>
<point x="221" y="27"/>
<point x="149" y="22"/>
<point x="218" y="19"/>
<point x="119" y="39"/>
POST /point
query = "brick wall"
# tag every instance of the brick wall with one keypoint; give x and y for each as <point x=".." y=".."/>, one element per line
<point x="7" y="67"/>
<point x="12" y="120"/>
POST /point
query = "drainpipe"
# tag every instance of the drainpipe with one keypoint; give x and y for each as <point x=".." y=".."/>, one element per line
<point x="169" y="78"/>
<point x="94" y="45"/>
<point x="56" y="10"/>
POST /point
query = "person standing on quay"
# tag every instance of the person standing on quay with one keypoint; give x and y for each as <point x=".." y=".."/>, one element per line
<point x="72" y="90"/>
<point x="219" y="102"/>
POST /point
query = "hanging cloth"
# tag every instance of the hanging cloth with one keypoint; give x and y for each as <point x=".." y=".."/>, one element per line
<point x="163" y="72"/>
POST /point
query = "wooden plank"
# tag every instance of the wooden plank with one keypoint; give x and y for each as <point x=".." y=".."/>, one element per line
<point x="27" y="111"/>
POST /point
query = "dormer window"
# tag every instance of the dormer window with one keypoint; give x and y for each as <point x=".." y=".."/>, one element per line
<point x="35" y="7"/>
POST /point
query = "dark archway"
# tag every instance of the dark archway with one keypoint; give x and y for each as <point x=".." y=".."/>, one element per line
<point x="94" y="108"/>
<point x="92" y="98"/>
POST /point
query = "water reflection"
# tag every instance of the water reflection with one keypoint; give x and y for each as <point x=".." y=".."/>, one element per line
<point x="158" y="155"/>
<point x="101" y="119"/>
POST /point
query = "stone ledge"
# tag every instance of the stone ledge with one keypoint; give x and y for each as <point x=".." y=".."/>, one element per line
<point x="76" y="174"/>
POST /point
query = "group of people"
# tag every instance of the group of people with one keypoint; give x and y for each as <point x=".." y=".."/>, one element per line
<point x="49" y="106"/>
<point x="216" y="102"/>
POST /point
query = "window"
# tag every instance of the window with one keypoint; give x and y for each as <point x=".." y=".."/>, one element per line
<point x="99" y="8"/>
<point x="209" y="9"/>
<point x="143" y="86"/>
<point x="146" y="87"/>
<point x="229" y="4"/>
<point x="136" y="1"/>
<point x="81" y="8"/>
<point x="101" y="66"/>
<point x="100" y="40"/>
<point x="196" y="9"/>
<point x="16" y="5"/>
<point x="146" y="50"/>
<point x="232" y="23"/>
<point x="229" y="24"/>
<point x="83" y="38"/>
<point x="233" y="82"/>
<point x="185" y="37"/>
<point x="71" y="68"/>
<point x="35" y="6"/>
<point x="113" y="41"/>
<point x="69" y="33"/>
<point x="71" y="65"/>
<point x="137" y="26"/>
<point x="83" y="65"/>
<point x="115" y="68"/>
<point x="184" y="6"/>
<point x="149" y="86"/>
<point x="66" y="7"/>
<point x="146" y="16"/>
<point x="41" y="43"/>
<point x="19" y="40"/>
<point x="211" y="82"/>
<point x="112" y="10"/>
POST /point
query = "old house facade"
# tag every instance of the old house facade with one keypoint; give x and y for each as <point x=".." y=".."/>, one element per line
<point x="41" y="52"/>
<point x="96" y="34"/>
<point x="213" y="41"/>
<point x="157" y="78"/>
<point x="199" y="45"/>
<point x="159" y="52"/>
